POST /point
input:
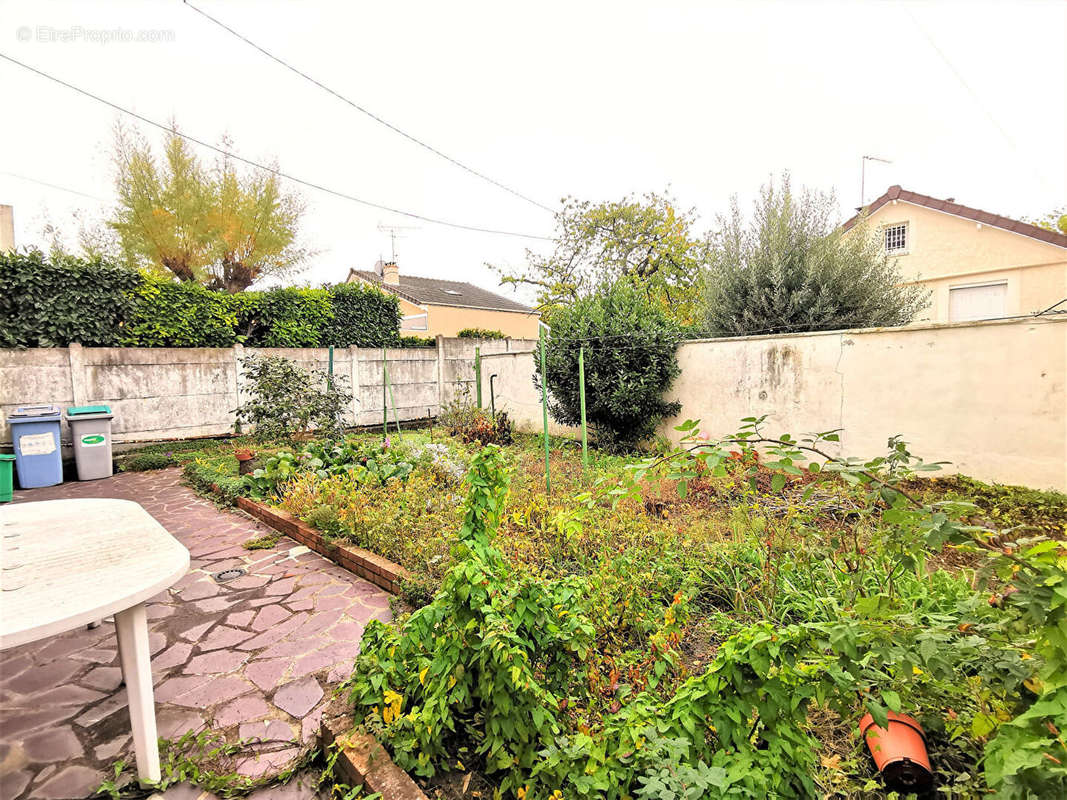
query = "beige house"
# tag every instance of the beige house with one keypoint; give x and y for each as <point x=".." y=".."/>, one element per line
<point x="436" y="307"/>
<point x="978" y="265"/>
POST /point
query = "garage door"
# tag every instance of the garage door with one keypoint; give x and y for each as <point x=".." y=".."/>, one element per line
<point x="977" y="302"/>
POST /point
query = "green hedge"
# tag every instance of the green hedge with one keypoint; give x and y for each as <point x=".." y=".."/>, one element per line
<point x="51" y="302"/>
<point x="480" y="333"/>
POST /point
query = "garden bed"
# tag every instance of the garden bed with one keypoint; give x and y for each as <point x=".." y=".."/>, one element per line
<point x="669" y="580"/>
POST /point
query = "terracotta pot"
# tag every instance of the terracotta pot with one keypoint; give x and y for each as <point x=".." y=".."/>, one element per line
<point x="244" y="455"/>
<point x="899" y="753"/>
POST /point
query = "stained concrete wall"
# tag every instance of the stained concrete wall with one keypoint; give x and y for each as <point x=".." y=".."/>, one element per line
<point x="170" y="393"/>
<point x="989" y="397"/>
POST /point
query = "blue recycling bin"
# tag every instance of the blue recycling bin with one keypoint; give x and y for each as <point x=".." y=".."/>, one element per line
<point x="35" y="434"/>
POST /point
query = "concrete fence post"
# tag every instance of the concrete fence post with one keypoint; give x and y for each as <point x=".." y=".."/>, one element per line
<point x="353" y="355"/>
<point x="440" y="373"/>
<point x="78" y="388"/>
<point x="238" y="376"/>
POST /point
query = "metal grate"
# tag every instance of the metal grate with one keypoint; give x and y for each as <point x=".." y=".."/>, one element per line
<point x="228" y="575"/>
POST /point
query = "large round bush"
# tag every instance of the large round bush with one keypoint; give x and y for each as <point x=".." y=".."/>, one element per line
<point x="630" y="363"/>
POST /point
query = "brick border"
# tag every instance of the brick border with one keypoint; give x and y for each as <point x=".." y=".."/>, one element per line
<point x="367" y="565"/>
<point x="361" y="759"/>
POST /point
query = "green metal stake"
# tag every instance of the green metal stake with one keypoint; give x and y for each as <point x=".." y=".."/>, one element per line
<point x="478" y="373"/>
<point x="329" y="370"/>
<point x="581" y="395"/>
<point x="385" y="388"/>
<point x="544" y="408"/>
<point x="396" y="417"/>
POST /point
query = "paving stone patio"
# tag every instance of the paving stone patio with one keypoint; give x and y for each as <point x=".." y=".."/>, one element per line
<point x="257" y="656"/>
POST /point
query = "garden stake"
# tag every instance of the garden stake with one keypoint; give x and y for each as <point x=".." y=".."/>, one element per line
<point x="329" y="370"/>
<point x="385" y="405"/>
<point x="396" y="417"/>
<point x="478" y="373"/>
<point x="492" y="396"/>
<point x="544" y="405"/>
<point x="581" y="395"/>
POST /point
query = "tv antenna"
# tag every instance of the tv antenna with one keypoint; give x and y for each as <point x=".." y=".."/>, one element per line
<point x="396" y="232"/>
<point x="863" y="175"/>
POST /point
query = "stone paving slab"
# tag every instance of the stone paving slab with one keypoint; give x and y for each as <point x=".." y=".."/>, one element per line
<point x="260" y="654"/>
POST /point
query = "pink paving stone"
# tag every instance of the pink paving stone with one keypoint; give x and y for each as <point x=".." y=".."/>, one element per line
<point x="346" y="632"/>
<point x="240" y="619"/>
<point x="268" y="730"/>
<point x="13" y="783"/>
<point x="52" y="745"/>
<point x="159" y="611"/>
<point x="247" y="582"/>
<point x="42" y="677"/>
<point x="216" y="690"/>
<point x="97" y="655"/>
<point x="176" y="654"/>
<point x="302" y="605"/>
<point x="223" y="636"/>
<point x="334" y="603"/>
<point x="194" y="633"/>
<point x="172" y="722"/>
<point x="66" y="696"/>
<point x="293" y="647"/>
<point x="214" y="604"/>
<point x="73" y="783"/>
<point x="106" y="679"/>
<point x="269" y="616"/>
<point x="243" y="709"/>
<point x="172" y="688"/>
<point x="299" y="697"/>
<point x="200" y="590"/>
<point x="215" y="662"/>
<point x="267" y="763"/>
<point x="310" y="725"/>
<point x="267" y="674"/>
<point x="284" y="586"/>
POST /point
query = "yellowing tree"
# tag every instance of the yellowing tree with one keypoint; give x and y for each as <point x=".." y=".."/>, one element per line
<point x="215" y="226"/>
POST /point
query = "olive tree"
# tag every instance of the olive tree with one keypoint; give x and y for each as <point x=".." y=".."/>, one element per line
<point x="790" y="267"/>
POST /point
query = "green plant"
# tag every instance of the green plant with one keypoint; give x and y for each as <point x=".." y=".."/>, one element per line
<point x="287" y="399"/>
<point x="475" y="425"/>
<point x="417" y="341"/>
<point x="363" y="316"/>
<point x="794" y="269"/>
<point x="167" y="314"/>
<point x="141" y="462"/>
<point x="629" y="364"/>
<point x="481" y="333"/>
<point x="265" y="542"/>
<point x="287" y="317"/>
<point x="53" y="301"/>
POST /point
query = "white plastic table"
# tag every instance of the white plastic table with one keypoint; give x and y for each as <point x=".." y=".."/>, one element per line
<point x="68" y="563"/>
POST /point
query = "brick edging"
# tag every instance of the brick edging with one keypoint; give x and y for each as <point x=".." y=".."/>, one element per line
<point x="361" y="759"/>
<point x="369" y="566"/>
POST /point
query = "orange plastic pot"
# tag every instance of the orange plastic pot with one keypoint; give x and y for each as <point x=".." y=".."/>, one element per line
<point x="899" y="753"/>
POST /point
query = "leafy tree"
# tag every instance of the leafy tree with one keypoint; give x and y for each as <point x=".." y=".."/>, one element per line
<point x="629" y="359"/>
<point x="215" y="226"/>
<point x="1055" y="221"/>
<point x="646" y="242"/>
<point x="791" y="268"/>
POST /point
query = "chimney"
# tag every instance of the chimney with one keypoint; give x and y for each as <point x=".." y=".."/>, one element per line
<point x="7" y="228"/>
<point x="390" y="274"/>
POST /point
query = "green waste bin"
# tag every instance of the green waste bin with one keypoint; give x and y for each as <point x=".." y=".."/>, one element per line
<point x="7" y="462"/>
<point x="90" y="429"/>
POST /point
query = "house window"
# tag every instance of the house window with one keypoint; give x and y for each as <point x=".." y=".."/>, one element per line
<point x="896" y="238"/>
<point x="984" y="301"/>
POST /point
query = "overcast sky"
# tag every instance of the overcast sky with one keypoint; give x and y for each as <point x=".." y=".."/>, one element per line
<point x="592" y="99"/>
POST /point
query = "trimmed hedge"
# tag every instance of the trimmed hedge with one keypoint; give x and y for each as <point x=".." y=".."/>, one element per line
<point x="481" y="333"/>
<point x="51" y="302"/>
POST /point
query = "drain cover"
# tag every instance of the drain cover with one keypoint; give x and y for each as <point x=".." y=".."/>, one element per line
<point x="228" y="575"/>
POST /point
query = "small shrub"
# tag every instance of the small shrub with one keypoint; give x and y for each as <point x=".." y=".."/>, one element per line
<point x="287" y="399"/>
<point x="481" y="333"/>
<point x="476" y="425"/>
<point x="142" y="462"/>
<point x="629" y="364"/>
<point x="417" y="341"/>
<point x="265" y="542"/>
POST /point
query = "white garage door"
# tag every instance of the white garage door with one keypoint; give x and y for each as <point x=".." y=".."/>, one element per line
<point x="977" y="302"/>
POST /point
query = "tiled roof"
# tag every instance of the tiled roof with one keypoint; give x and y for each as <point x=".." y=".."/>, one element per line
<point x="949" y="207"/>
<point x="438" y="292"/>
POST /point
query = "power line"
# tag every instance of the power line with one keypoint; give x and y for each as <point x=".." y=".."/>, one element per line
<point x="266" y="168"/>
<point x="370" y="114"/>
<point x="53" y="186"/>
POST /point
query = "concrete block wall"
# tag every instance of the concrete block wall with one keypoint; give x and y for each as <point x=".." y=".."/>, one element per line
<point x="171" y="393"/>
